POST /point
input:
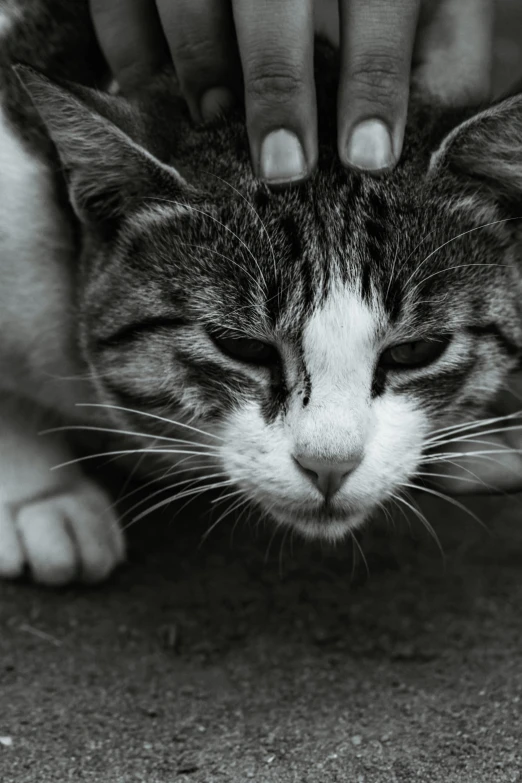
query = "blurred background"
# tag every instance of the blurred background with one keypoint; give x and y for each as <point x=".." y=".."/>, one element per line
<point x="508" y="44"/>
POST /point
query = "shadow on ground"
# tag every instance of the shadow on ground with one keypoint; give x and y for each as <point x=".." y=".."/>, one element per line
<point x="216" y="661"/>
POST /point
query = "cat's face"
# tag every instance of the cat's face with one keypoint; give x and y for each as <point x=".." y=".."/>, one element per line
<point x="316" y="343"/>
<point x="317" y="336"/>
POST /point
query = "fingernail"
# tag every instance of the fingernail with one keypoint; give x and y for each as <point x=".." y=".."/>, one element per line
<point x="216" y="102"/>
<point x="282" y="157"/>
<point x="370" y="146"/>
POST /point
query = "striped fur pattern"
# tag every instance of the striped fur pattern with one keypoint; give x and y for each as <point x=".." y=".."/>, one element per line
<point x="182" y="249"/>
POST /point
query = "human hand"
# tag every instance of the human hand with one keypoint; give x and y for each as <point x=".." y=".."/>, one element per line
<point x="267" y="45"/>
<point x="483" y="458"/>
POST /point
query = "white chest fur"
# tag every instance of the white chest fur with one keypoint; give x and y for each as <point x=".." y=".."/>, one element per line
<point x="36" y="261"/>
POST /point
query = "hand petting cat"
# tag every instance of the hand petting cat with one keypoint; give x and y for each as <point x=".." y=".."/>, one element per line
<point x="220" y="47"/>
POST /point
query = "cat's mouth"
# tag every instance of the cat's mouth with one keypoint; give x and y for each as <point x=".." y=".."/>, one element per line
<point x="325" y="521"/>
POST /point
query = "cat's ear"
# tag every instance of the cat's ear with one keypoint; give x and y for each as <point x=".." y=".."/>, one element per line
<point x="106" y="171"/>
<point x="487" y="147"/>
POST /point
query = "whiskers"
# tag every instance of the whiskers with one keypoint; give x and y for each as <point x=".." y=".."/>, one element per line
<point x="256" y="214"/>
<point x="450" y="445"/>
<point x="448" y="242"/>
<point x="242" y="502"/>
<point x="224" y="226"/>
<point x="404" y="498"/>
<point x="200" y="459"/>
<point x="261" y="284"/>
<point x="169" y="422"/>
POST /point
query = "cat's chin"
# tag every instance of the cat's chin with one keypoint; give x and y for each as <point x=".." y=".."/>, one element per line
<point x="319" y="524"/>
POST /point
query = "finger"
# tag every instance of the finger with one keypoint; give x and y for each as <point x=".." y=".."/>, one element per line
<point x="454" y="50"/>
<point x="201" y="38"/>
<point x="129" y="33"/>
<point x="377" y="39"/>
<point x="276" y="47"/>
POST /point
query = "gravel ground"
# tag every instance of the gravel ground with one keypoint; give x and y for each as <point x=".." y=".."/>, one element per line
<point x="241" y="658"/>
<point x="217" y="662"/>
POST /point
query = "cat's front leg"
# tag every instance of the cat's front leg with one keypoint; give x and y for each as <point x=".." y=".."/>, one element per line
<point x="58" y="523"/>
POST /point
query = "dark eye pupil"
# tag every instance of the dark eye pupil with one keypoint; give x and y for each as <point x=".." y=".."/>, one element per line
<point x="252" y="347"/>
<point x="246" y="349"/>
<point x="407" y="351"/>
<point x="417" y="353"/>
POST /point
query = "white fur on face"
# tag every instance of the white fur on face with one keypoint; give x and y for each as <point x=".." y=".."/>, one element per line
<point x="341" y="343"/>
<point x="36" y="265"/>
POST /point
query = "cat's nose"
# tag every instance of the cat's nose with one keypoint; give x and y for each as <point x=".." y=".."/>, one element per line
<point x="328" y="476"/>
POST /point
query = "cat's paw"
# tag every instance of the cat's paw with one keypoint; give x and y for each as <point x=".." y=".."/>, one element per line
<point x="69" y="534"/>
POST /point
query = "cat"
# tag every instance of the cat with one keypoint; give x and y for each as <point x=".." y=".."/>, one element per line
<point x="303" y="347"/>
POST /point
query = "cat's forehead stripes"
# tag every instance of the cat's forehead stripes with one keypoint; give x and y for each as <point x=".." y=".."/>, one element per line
<point x="339" y="340"/>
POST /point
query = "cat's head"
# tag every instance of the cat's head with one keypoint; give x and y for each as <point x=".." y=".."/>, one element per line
<point x="317" y="335"/>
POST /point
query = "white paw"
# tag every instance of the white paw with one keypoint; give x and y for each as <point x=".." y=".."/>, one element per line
<point x="64" y="535"/>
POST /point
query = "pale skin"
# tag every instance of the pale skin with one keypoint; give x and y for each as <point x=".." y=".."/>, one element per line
<point x="260" y="51"/>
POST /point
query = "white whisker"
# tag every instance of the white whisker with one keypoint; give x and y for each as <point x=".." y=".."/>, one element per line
<point x="147" y="414"/>
<point x="256" y="213"/>
<point x="116" y="431"/>
<point x="227" y="258"/>
<point x="227" y="228"/>
<point x="422" y="518"/>
<point x="429" y="474"/>
<point x="470" y="454"/>
<point x="475" y="479"/>
<point x="190" y="481"/>
<point x="122" y="452"/>
<point x="425" y="237"/>
<point x="448" y="499"/>
<point x="277" y="295"/>
<point x="447" y="269"/>
<point x="242" y="501"/>
<point x="454" y="239"/>
<point x="197" y="491"/>
<point x="475" y="423"/>
<point x="469" y="437"/>
<point x="157" y="479"/>
<point x="484" y="458"/>
<point x="132" y="473"/>
<point x="506" y="446"/>
<point x="360" y="550"/>
<point x="390" y="278"/>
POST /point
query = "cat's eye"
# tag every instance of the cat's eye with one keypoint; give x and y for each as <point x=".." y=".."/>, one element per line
<point x="417" y="353"/>
<point x="246" y="349"/>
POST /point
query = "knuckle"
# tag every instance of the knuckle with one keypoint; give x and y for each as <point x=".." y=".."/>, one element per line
<point x="197" y="61"/>
<point x="276" y="81"/>
<point x="191" y="51"/>
<point x="383" y="75"/>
